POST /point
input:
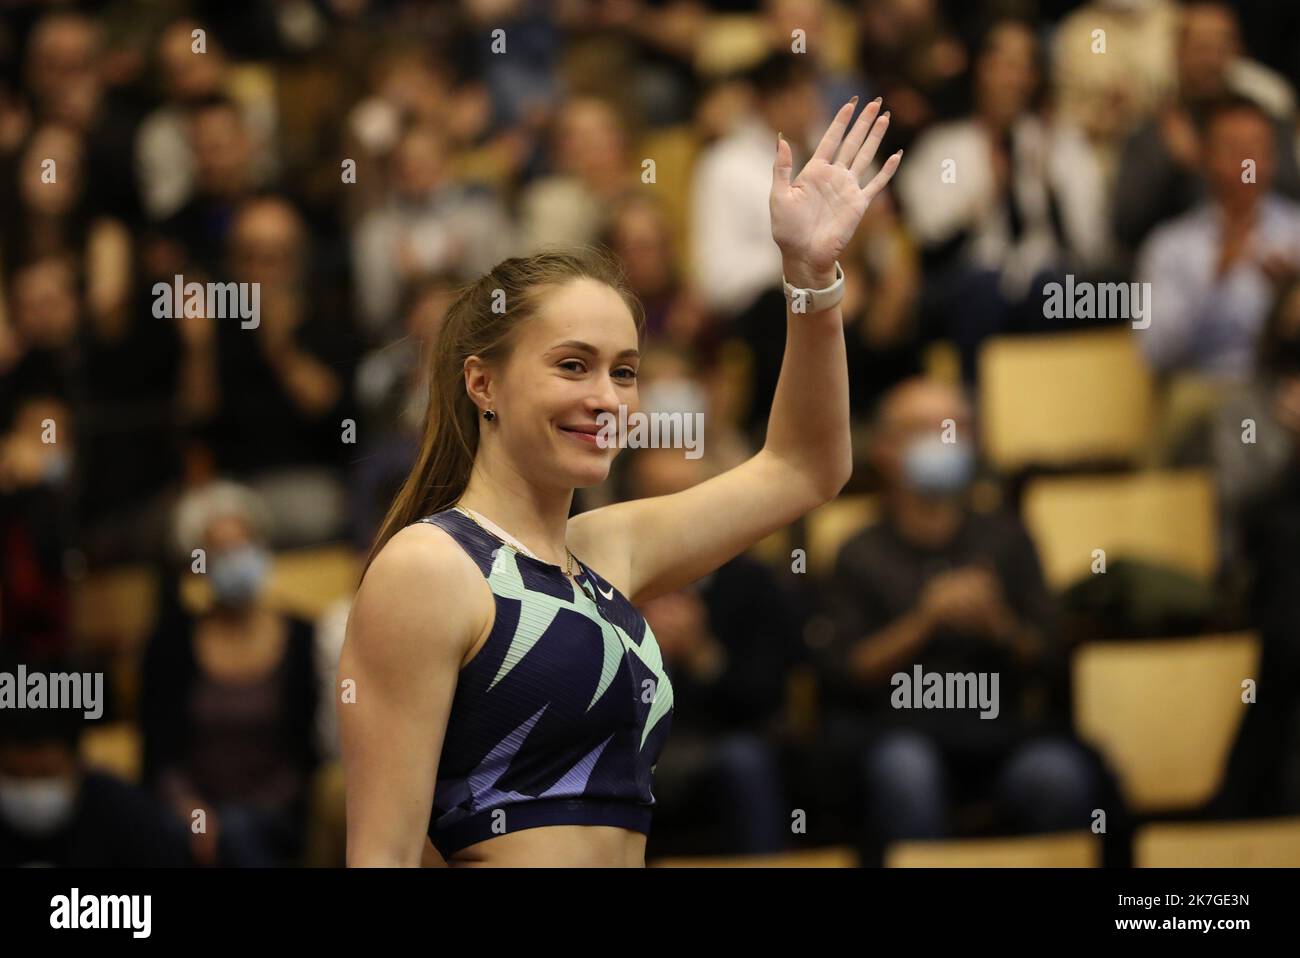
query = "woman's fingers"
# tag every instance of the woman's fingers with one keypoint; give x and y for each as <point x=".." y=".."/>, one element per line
<point x="881" y="179"/>
<point x="835" y="132"/>
<point x="853" y="142"/>
<point x="862" y="161"/>
<point x="782" y="164"/>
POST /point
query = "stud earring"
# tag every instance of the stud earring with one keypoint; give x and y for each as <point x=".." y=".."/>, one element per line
<point x="489" y="415"/>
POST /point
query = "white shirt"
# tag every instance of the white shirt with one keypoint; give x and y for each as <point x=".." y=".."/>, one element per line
<point x="946" y="185"/>
<point x="733" y="255"/>
<point x="1204" y="322"/>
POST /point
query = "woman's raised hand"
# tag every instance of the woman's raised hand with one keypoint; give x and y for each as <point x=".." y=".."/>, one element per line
<point x="814" y="217"/>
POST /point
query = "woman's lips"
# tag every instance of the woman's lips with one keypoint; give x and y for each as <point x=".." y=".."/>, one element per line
<point x="590" y="438"/>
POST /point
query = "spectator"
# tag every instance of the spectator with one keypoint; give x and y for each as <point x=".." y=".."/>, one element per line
<point x="1263" y="774"/>
<point x="272" y="400"/>
<point x="50" y="213"/>
<point x="1113" y="64"/>
<point x="1249" y="447"/>
<point x="734" y="258"/>
<point x="56" y="812"/>
<point x="639" y="235"/>
<point x="593" y="170"/>
<point x="1001" y="201"/>
<point x="34" y="527"/>
<point x="728" y="642"/>
<point x="65" y="73"/>
<point x="165" y="164"/>
<point x="915" y="59"/>
<point x="430" y="223"/>
<point x="393" y="393"/>
<point x="228" y="696"/>
<point x="937" y="585"/>
<point x="1210" y="269"/>
<point x="222" y="147"/>
<point x="1159" y="173"/>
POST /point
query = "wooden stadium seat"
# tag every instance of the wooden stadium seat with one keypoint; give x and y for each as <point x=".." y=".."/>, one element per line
<point x="326" y="840"/>
<point x="115" y="748"/>
<point x="730" y="42"/>
<point x="831" y="525"/>
<point x="1266" y="843"/>
<point x="674" y="150"/>
<point x="1164" y="713"/>
<point x="774" y="549"/>
<point x="836" y="857"/>
<point x="1060" y="850"/>
<point x="942" y="362"/>
<point x="1064" y="398"/>
<point x="115" y="610"/>
<point x="307" y="582"/>
<point x="1165" y="517"/>
<point x="1186" y="403"/>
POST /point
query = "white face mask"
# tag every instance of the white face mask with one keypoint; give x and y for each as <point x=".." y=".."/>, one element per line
<point x="37" y="806"/>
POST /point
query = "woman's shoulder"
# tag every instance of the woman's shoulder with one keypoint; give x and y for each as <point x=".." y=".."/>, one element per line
<point x="422" y="582"/>
<point x="426" y="552"/>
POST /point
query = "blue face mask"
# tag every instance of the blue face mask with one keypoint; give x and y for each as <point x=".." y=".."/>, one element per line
<point x="236" y="576"/>
<point x="935" y="468"/>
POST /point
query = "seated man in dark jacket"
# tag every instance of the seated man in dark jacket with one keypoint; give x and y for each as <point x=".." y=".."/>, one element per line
<point x="932" y="600"/>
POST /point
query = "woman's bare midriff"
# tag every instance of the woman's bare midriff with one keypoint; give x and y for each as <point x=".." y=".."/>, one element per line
<point x="560" y="846"/>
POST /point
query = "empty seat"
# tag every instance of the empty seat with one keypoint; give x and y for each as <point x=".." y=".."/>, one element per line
<point x="115" y="610"/>
<point x="1163" y="517"/>
<point x="1059" y="850"/>
<point x="831" y="525"/>
<point x="115" y="748"/>
<point x="815" y="858"/>
<point x="1269" y="843"/>
<point x="1164" y="713"/>
<point x="1063" y="399"/>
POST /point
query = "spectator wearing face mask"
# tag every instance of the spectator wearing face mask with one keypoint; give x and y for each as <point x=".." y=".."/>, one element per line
<point x="55" y="812"/>
<point x="228" y="694"/>
<point x="935" y="584"/>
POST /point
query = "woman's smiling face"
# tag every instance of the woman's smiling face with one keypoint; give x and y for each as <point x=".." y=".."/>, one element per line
<point x="573" y="361"/>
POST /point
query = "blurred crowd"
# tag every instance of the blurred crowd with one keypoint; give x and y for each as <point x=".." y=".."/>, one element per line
<point x="360" y="159"/>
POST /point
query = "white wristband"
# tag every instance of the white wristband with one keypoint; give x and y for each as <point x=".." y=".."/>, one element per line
<point x="815" y="300"/>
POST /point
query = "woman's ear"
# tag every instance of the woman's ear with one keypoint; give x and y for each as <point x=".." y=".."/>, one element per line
<point x="478" y="382"/>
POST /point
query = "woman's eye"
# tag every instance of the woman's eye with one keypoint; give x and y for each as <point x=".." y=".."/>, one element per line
<point x="569" y="365"/>
<point x="626" y="373"/>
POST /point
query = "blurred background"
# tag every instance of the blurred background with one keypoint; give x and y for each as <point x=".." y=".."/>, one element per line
<point x="1115" y="530"/>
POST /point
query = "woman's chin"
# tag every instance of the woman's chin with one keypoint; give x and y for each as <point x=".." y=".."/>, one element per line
<point x="589" y="474"/>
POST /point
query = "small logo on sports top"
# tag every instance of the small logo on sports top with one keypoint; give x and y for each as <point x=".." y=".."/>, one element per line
<point x="609" y="594"/>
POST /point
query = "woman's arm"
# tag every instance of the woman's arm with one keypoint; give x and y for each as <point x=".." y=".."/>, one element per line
<point x="420" y="608"/>
<point x="653" y="546"/>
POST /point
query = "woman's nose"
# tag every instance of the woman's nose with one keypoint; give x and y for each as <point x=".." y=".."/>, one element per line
<point x="604" y="399"/>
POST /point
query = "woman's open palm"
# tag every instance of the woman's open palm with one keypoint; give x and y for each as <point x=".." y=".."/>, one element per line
<point x="815" y="217"/>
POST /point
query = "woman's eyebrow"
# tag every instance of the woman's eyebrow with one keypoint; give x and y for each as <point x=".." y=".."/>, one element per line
<point x="592" y="350"/>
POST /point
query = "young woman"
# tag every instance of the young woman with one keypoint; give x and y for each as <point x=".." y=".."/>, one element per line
<point x="501" y="695"/>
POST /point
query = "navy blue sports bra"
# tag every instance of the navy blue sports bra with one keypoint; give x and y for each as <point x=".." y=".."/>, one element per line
<point x="560" y="716"/>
